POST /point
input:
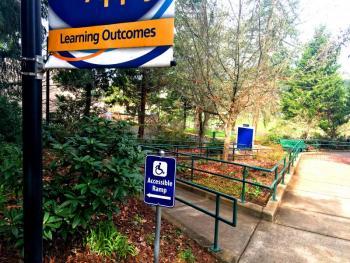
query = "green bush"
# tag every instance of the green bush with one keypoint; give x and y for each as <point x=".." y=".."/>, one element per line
<point x="89" y="176"/>
<point x="105" y="240"/>
<point x="10" y="121"/>
<point x="11" y="214"/>
<point x="56" y="133"/>
<point x="11" y="168"/>
<point x="93" y="171"/>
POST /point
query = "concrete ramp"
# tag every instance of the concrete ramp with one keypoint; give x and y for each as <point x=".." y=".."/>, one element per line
<point x="313" y="221"/>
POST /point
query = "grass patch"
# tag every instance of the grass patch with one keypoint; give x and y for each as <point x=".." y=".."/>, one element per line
<point x="105" y="240"/>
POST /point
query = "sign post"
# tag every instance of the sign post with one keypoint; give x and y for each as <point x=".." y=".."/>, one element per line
<point x="32" y="116"/>
<point x="159" y="189"/>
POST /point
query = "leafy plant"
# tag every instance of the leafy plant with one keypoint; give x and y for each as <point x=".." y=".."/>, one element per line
<point x="11" y="214"/>
<point x="178" y="232"/>
<point x="89" y="175"/>
<point x="107" y="241"/>
<point x="187" y="256"/>
<point x="150" y="239"/>
<point x="10" y="121"/>
<point x="92" y="172"/>
<point x="11" y="168"/>
<point x="138" y="220"/>
<point x="253" y="190"/>
<point x="181" y="169"/>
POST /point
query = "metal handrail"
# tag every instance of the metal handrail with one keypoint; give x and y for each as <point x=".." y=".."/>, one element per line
<point x="287" y="161"/>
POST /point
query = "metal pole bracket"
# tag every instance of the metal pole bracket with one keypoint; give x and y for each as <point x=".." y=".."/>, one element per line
<point x="33" y="67"/>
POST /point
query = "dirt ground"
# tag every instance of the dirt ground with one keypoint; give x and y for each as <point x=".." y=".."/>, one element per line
<point x="137" y="221"/>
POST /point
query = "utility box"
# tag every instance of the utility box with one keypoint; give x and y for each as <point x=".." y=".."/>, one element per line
<point x="245" y="138"/>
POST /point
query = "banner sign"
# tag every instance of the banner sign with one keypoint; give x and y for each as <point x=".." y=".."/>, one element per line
<point x="110" y="33"/>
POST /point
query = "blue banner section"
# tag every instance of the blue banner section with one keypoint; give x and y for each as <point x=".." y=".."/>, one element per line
<point x="82" y="13"/>
<point x="159" y="185"/>
<point x="245" y="138"/>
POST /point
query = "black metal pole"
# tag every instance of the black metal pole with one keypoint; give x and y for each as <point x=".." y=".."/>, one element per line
<point x="32" y="117"/>
<point x="47" y="110"/>
<point x="47" y="97"/>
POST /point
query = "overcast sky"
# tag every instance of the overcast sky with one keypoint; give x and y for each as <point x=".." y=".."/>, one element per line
<point x="335" y="14"/>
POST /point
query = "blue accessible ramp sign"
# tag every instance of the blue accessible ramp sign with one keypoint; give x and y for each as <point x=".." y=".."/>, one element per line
<point x="159" y="185"/>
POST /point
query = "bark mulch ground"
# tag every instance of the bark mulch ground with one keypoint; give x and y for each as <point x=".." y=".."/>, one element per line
<point x="137" y="221"/>
<point x="254" y="194"/>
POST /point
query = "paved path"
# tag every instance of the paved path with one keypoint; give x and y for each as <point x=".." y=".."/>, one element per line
<point x="312" y="224"/>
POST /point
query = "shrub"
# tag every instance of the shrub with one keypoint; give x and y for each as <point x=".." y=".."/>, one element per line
<point x="107" y="241"/>
<point x="88" y="177"/>
<point x="56" y="133"/>
<point x="11" y="168"/>
<point x="10" y="121"/>
<point x="11" y="214"/>
<point x="93" y="171"/>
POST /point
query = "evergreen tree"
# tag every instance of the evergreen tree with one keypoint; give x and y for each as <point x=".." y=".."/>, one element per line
<point x="316" y="92"/>
<point x="83" y="87"/>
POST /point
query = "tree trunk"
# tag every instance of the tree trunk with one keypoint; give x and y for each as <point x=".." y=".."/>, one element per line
<point x="142" y="112"/>
<point x="198" y="123"/>
<point x="256" y="116"/>
<point x="88" y="99"/>
<point x="200" y="128"/>
<point x="305" y="135"/>
<point x="185" y="115"/>
<point x="227" y="141"/>
<point x="334" y="132"/>
<point x="205" y="121"/>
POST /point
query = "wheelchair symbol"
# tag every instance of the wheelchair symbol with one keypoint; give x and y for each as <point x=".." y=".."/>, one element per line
<point x="160" y="169"/>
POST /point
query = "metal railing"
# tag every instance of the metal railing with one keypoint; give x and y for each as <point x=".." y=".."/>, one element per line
<point x="216" y="215"/>
<point x="187" y="162"/>
<point x="316" y="144"/>
<point x="279" y="171"/>
<point x="207" y="149"/>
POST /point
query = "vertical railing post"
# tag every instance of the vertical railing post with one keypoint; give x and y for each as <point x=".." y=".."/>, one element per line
<point x="235" y="212"/>
<point x="192" y="167"/>
<point x="284" y="169"/>
<point x="215" y="247"/>
<point x="245" y="173"/>
<point x="275" y="185"/>
<point x="207" y="153"/>
<point x="289" y="161"/>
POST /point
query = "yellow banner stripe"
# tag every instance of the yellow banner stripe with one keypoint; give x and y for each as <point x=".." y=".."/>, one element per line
<point x="151" y="33"/>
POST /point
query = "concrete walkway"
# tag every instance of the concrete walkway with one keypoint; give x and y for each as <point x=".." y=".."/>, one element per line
<point x="312" y="224"/>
